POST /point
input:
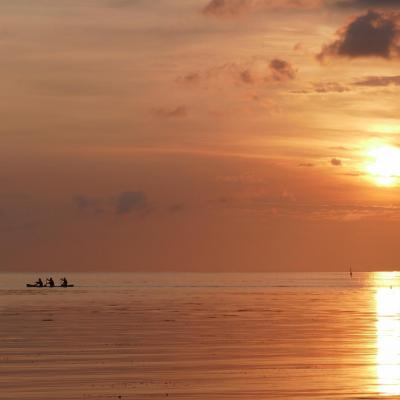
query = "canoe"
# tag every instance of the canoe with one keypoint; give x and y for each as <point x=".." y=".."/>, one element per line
<point x="33" y="285"/>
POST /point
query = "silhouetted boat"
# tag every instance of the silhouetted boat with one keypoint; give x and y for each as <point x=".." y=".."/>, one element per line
<point x="35" y="286"/>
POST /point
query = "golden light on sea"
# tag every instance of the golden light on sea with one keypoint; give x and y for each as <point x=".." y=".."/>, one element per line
<point x="388" y="340"/>
<point x="384" y="165"/>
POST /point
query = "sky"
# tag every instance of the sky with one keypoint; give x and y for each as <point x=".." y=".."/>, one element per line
<point x="199" y="135"/>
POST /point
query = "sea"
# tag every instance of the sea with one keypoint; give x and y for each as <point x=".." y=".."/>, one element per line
<point x="201" y="336"/>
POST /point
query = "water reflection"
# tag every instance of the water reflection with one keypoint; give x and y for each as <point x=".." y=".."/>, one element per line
<point x="388" y="335"/>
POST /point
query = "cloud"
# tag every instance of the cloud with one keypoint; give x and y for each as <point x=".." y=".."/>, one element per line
<point x="374" y="81"/>
<point x="323" y="87"/>
<point x="239" y="73"/>
<point x="374" y="34"/>
<point x="177" y="112"/>
<point x="307" y="165"/>
<point x="336" y="162"/>
<point x="281" y="70"/>
<point x="367" y="3"/>
<point x="223" y="8"/>
<point x="128" y="202"/>
<point x="246" y="76"/>
<point x="124" y="203"/>
<point x="191" y="78"/>
<point x="330" y="87"/>
<point x="253" y="72"/>
<point x="234" y="8"/>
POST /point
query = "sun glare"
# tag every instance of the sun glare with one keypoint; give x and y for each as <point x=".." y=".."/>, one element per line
<point x="388" y="340"/>
<point x="384" y="166"/>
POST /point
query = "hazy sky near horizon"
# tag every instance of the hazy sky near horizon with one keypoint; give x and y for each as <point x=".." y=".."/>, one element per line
<point x="199" y="135"/>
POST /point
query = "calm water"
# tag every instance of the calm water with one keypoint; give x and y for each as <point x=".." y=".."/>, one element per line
<point x="201" y="336"/>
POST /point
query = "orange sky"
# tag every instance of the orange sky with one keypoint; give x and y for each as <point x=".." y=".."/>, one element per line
<point x="199" y="135"/>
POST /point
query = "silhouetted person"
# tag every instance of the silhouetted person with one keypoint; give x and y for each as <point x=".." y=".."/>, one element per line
<point x="64" y="282"/>
<point x="50" y="282"/>
<point x="39" y="283"/>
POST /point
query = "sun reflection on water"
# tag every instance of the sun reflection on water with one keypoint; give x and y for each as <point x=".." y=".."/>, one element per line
<point x="388" y="338"/>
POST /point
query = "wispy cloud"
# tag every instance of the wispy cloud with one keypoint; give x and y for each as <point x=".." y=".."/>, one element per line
<point x="253" y="72"/>
<point x="330" y="87"/>
<point x="233" y="8"/>
<point x="374" y="81"/>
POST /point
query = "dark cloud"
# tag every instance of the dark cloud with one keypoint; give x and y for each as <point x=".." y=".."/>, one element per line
<point x="336" y="162"/>
<point x="281" y="70"/>
<point x="177" y="112"/>
<point x="367" y="3"/>
<point x="374" y="34"/>
<point x="128" y="202"/>
<point x="374" y="81"/>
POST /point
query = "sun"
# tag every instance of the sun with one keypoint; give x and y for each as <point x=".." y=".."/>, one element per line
<point x="384" y="166"/>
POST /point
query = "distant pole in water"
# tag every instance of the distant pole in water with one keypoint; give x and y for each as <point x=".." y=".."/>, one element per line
<point x="351" y="273"/>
